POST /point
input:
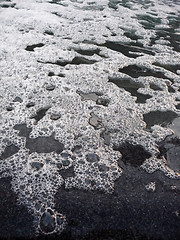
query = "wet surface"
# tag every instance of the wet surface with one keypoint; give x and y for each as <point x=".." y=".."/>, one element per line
<point x="15" y="220"/>
<point x="130" y="212"/>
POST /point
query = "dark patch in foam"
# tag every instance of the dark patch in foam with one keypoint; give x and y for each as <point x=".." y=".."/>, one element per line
<point x="51" y="74"/>
<point x="57" y="14"/>
<point x="103" y="101"/>
<point x="47" y="221"/>
<point x="131" y="35"/>
<point x="155" y="87"/>
<point x="139" y="71"/>
<point x="30" y="104"/>
<point x="171" y="89"/>
<point x="92" y="157"/>
<point x="9" y="108"/>
<point x="170" y="149"/>
<point x="178" y="106"/>
<point x="18" y="99"/>
<point x="133" y="155"/>
<point x="94" y="96"/>
<point x="40" y="114"/>
<point x="49" y="32"/>
<point x="95" y="121"/>
<point x="7" y="4"/>
<point x="148" y="21"/>
<point x="75" y="61"/>
<point x="106" y="135"/>
<point x="77" y="148"/>
<point x="159" y="118"/>
<point x="55" y="116"/>
<point x="39" y="144"/>
<point x="37" y="165"/>
<point x="93" y="7"/>
<point x="174" y="23"/>
<point x="131" y="87"/>
<point x="88" y="52"/>
<point x="170" y="33"/>
<point x="65" y="173"/>
<point x="113" y="4"/>
<point x="44" y="145"/>
<point x="171" y="68"/>
<point x="9" y="151"/>
<point x="24" y="131"/>
<point x="89" y="96"/>
<point x="55" y="1"/>
<point x="59" y="2"/>
<point x="32" y="47"/>
<point x="128" y="50"/>
<point x="50" y="87"/>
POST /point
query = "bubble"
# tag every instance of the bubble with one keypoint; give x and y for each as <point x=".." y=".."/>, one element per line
<point x="92" y="157"/>
<point x="47" y="221"/>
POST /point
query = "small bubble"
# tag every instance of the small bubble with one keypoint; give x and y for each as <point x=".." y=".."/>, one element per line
<point x="47" y="221"/>
<point x="50" y="87"/>
<point x="92" y="157"/>
<point x="66" y="162"/>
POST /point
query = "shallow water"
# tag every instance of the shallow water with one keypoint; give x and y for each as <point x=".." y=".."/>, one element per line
<point x="90" y="116"/>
